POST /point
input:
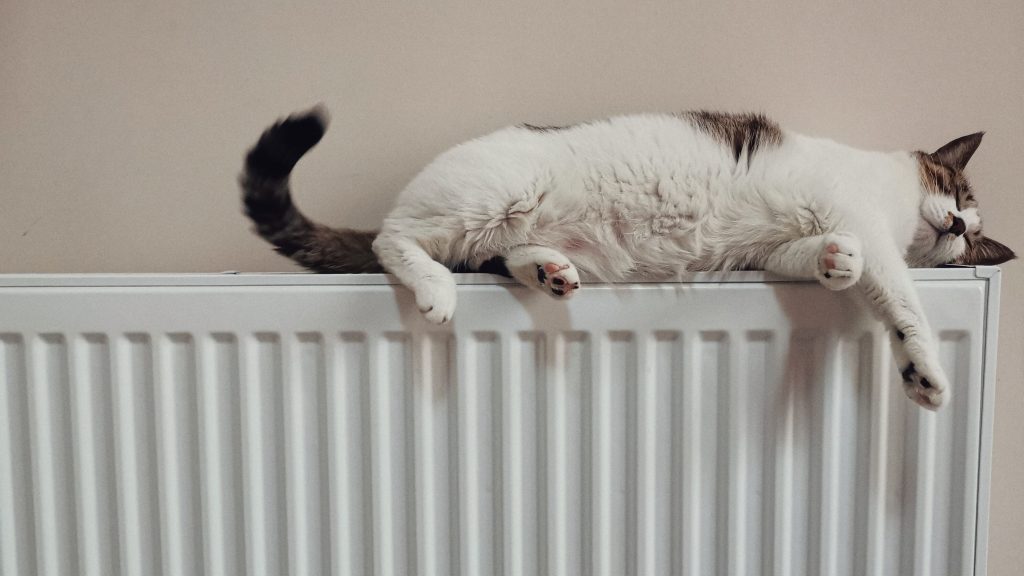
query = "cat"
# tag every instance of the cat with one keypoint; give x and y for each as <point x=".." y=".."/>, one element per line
<point x="649" y="197"/>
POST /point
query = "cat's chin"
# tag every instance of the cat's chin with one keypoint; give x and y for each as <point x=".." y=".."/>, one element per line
<point x="946" y="250"/>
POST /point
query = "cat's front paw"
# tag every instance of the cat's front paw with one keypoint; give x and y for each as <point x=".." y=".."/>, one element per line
<point x="840" y="262"/>
<point x="925" y="385"/>
<point x="561" y="280"/>
<point x="436" y="300"/>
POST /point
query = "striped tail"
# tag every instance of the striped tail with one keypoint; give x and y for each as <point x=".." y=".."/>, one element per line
<point x="268" y="202"/>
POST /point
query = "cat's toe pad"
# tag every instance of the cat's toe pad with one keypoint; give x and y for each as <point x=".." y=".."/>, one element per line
<point x="840" y="262"/>
<point x="436" y="300"/>
<point x="924" y="387"/>
<point x="561" y="280"/>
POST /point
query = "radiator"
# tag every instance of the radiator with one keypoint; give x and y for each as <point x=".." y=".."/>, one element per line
<point x="730" y="424"/>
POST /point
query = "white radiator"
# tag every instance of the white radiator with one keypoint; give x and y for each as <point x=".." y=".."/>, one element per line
<point x="300" y="424"/>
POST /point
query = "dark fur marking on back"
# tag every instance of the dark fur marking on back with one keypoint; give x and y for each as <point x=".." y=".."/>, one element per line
<point x="534" y="128"/>
<point x="739" y="132"/>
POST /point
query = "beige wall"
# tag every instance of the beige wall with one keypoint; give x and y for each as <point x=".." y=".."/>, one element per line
<point x="122" y="124"/>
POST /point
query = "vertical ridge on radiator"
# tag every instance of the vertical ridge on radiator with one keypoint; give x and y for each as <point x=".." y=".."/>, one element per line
<point x="854" y="551"/>
<point x="748" y="391"/>
<point x="567" y="429"/>
<point x="220" y="455"/>
<point x="659" y="359"/>
<point x="690" y="439"/>
<point x="177" y="455"/>
<point x="956" y="350"/>
<point x="898" y="468"/>
<point x="394" y="519"/>
<point x="52" y="468"/>
<point x="614" y="440"/>
<point x="732" y="543"/>
<point x="922" y="479"/>
<point x="348" y="455"/>
<point x="135" y="449"/>
<point x="878" y="393"/>
<point x="716" y="350"/>
<point x="17" y="513"/>
<point x="783" y="447"/>
<point x="839" y="450"/>
<point x="433" y="391"/>
<point x="706" y="380"/>
<point x="523" y="454"/>
<point x="478" y="402"/>
<point x="263" y="456"/>
<point x="304" y="402"/>
<point x="949" y="450"/>
<point x="93" y="440"/>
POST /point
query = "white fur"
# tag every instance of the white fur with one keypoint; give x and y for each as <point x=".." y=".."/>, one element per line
<point x="651" y="196"/>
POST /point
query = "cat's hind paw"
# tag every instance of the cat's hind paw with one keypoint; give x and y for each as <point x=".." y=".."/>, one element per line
<point x="561" y="280"/>
<point x="840" y="262"/>
<point x="545" y="269"/>
<point x="925" y="387"/>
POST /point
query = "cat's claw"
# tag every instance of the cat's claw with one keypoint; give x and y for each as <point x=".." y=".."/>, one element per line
<point x="840" y="262"/>
<point x="925" y="387"/>
<point x="436" y="300"/>
<point x="561" y="280"/>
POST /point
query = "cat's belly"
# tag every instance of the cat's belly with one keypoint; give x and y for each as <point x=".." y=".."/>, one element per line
<point x="622" y="228"/>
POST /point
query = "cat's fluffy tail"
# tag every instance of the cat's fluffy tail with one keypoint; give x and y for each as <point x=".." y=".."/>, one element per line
<point x="268" y="201"/>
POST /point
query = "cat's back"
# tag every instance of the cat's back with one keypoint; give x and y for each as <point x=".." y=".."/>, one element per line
<point x="635" y="141"/>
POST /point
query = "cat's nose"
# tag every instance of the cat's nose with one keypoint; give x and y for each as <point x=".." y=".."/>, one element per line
<point x="958" y="227"/>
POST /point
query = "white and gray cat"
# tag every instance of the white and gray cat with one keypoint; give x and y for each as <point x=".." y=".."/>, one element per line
<point x="649" y="197"/>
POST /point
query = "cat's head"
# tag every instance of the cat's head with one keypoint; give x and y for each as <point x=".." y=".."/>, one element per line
<point x="949" y="229"/>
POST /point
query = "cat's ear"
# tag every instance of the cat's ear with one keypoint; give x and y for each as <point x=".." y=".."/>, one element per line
<point x="959" y="151"/>
<point x="985" y="252"/>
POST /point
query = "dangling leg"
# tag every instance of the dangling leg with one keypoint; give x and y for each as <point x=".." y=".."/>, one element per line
<point x="431" y="282"/>
<point x="543" y="268"/>
<point x="836" y="261"/>
<point x="886" y="284"/>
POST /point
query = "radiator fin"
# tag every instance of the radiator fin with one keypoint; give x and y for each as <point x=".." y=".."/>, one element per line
<point x="220" y="430"/>
<point x="434" y="395"/>
<point x="17" y="512"/>
<point x="568" y="454"/>
<point x="52" y="468"/>
<point x="392" y="440"/>
<point x="659" y="365"/>
<point x="93" y="437"/>
<point x="305" y="439"/>
<point x="348" y="424"/>
<point x="263" y="457"/>
<point x="177" y="455"/>
<point x="613" y="428"/>
<point x="524" y="454"/>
